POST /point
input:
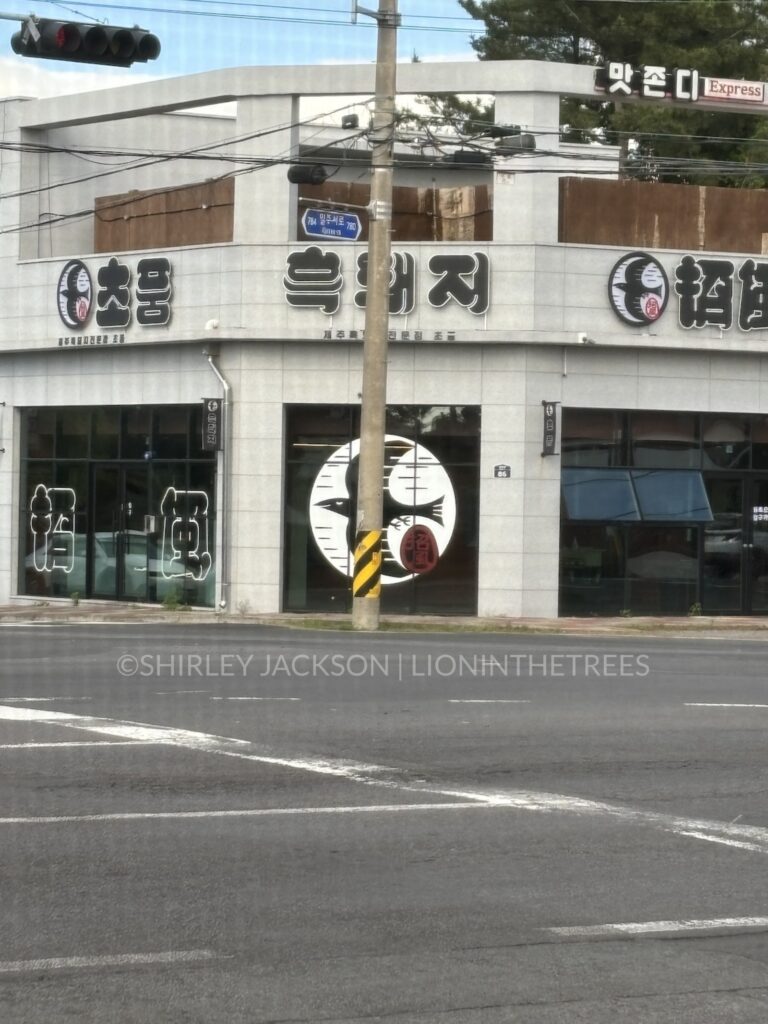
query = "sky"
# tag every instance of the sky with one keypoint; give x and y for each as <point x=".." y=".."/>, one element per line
<point x="202" y="35"/>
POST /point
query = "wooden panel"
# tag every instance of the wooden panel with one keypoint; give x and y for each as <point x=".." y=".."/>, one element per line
<point x="156" y="219"/>
<point x="647" y="215"/>
<point x="418" y="214"/>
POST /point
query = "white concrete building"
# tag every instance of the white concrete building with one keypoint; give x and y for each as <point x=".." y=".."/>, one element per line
<point x="106" y="355"/>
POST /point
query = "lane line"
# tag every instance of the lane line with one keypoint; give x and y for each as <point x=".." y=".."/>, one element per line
<point x="483" y="701"/>
<point x="77" y="743"/>
<point x="748" y="838"/>
<point x="700" y="704"/>
<point x="256" y="698"/>
<point x="662" y="927"/>
<point x="258" y="812"/>
<point x="57" y="963"/>
<point x="41" y="700"/>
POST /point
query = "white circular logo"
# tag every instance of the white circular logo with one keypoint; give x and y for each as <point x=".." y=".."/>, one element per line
<point x="74" y="294"/>
<point x="419" y="509"/>
<point x="638" y="289"/>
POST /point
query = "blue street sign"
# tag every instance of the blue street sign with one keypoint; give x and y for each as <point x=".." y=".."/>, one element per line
<point x="332" y="224"/>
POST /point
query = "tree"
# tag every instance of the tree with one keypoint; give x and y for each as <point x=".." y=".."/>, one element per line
<point x="725" y="38"/>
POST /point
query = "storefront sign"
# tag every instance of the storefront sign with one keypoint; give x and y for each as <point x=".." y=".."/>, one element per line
<point x="638" y="289"/>
<point x="706" y="288"/>
<point x="314" y="280"/>
<point x="212" y="436"/>
<point x="550" y="428"/>
<point x="650" y="81"/>
<point x="114" y="299"/>
<point x="657" y="82"/>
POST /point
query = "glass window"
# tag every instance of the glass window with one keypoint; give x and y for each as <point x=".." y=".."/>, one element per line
<point x="430" y="508"/>
<point x="105" y="434"/>
<point x="662" y="569"/>
<point x="760" y="442"/>
<point x="592" y="437"/>
<point x="665" y="494"/>
<point x="599" y="494"/>
<point x="171" y="430"/>
<point x="40" y="431"/>
<point x="591" y="570"/>
<point x="72" y="433"/>
<point x="725" y="442"/>
<point x="137" y="433"/>
<point x="665" y="439"/>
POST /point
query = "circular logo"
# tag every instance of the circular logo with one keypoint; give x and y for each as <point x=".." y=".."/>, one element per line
<point x="419" y="509"/>
<point x="638" y="289"/>
<point x="213" y="404"/>
<point x="74" y="294"/>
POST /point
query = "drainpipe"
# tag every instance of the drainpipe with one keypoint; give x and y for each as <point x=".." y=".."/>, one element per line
<point x="225" y="474"/>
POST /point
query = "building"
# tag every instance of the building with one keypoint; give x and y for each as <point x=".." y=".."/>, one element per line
<point x="578" y="369"/>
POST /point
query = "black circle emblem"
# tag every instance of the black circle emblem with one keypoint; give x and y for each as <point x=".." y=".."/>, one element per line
<point x="75" y="294"/>
<point x="638" y="289"/>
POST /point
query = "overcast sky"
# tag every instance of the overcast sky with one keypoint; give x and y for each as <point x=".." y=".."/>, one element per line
<point x="240" y="33"/>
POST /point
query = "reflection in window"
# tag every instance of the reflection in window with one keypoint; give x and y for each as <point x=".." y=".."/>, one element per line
<point x="662" y="569"/>
<point x="591" y="570"/>
<point x="665" y="439"/>
<point x="664" y="494"/>
<point x="592" y="437"/>
<point x="725" y="442"/>
<point x="599" y="494"/>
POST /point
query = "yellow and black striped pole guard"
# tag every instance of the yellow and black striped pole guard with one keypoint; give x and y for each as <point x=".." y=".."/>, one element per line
<point x="367" y="579"/>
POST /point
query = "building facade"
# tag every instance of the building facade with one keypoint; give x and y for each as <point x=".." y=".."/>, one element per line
<point x="577" y="422"/>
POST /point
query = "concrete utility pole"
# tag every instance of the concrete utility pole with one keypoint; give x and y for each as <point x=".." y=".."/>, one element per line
<point x="366" y="582"/>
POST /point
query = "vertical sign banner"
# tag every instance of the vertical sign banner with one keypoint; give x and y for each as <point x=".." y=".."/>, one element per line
<point x="212" y="439"/>
<point x="550" y="428"/>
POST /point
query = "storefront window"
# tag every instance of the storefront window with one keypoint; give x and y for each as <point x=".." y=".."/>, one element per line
<point x="662" y="569"/>
<point x="592" y="437"/>
<point x="725" y="442"/>
<point x="429" y="546"/>
<point x="130" y="528"/>
<point x="591" y="570"/>
<point x="665" y="440"/>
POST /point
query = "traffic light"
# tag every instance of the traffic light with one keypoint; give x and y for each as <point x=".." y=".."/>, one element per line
<point x="84" y="43"/>
<point x="307" y="174"/>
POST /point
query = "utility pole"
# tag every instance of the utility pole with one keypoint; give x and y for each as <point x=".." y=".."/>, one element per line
<point x="366" y="581"/>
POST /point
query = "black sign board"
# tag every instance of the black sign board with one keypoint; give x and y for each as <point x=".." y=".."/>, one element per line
<point x="212" y="437"/>
<point x="502" y="471"/>
<point x="550" y="428"/>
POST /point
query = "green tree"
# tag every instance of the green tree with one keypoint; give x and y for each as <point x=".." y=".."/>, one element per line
<point x="724" y="38"/>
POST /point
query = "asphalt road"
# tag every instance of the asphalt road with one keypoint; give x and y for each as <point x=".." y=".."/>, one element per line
<point x="246" y="824"/>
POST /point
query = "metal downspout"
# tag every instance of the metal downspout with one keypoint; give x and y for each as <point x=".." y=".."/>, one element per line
<point x="225" y="483"/>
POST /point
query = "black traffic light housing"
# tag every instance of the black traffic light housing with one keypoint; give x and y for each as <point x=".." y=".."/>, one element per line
<point x="84" y="43"/>
<point x="307" y="174"/>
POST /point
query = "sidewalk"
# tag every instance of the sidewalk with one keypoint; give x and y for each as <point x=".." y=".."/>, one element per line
<point x="91" y="612"/>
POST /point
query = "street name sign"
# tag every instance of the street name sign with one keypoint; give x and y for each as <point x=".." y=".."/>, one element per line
<point x="331" y="224"/>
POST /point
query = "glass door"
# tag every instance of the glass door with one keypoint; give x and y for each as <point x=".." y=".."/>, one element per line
<point x="118" y="557"/>
<point x="723" y="576"/>
<point x="757" y="546"/>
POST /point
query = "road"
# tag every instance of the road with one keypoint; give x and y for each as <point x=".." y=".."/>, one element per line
<point x="249" y="824"/>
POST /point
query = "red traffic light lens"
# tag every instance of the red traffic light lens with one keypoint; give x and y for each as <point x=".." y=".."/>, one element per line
<point x="67" y="38"/>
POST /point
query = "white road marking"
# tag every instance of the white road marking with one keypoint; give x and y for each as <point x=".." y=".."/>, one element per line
<point x="699" y="704"/>
<point x="256" y="698"/>
<point x="663" y="927"/>
<point x="479" y="701"/>
<point x="41" y="700"/>
<point x="257" y="812"/>
<point x="172" y="693"/>
<point x="76" y="743"/>
<point x="57" y="963"/>
<point x="749" y="838"/>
